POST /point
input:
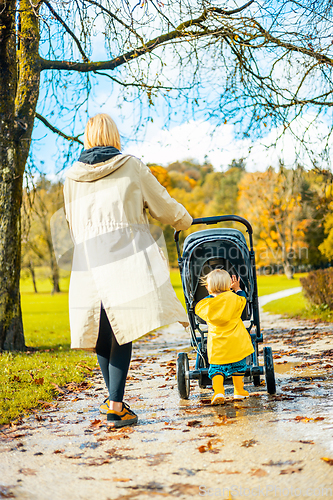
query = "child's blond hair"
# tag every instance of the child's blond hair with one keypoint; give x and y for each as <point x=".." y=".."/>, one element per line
<point x="217" y="281"/>
<point x="101" y="130"/>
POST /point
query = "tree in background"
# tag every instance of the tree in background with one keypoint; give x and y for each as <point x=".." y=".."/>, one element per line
<point x="275" y="203"/>
<point x="321" y="206"/>
<point x="225" y="198"/>
<point x="218" y="61"/>
<point x="203" y="191"/>
<point x="37" y="248"/>
<point x="29" y="259"/>
<point x="326" y="207"/>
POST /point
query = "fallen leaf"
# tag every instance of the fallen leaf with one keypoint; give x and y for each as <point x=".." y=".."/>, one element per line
<point x="205" y="402"/>
<point x="327" y="460"/>
<point x="258" y="472"/>
<point x="58" y="451"/>
<point x="280" y="463"/>
<point x="306" y="442"/>
<point x="194" y="423"/>
<point x="156" y="459"/>
<point x="5" y="492"/>
<point x="57" y="388"/>
<point x="208" y="435"/>
<point x="224" y="420"/>
<point x="96" y="423"/>
<point x="85" y="367"/>
<point x="291" y="470"/>
<point x="39" y="381"/>
<point x="202" y="448"/>
<point x="98" y="461"/>
<point x="249" y="443"/>
<point x="121" y="479"/>
<point x="182" y="489"/>
<point x="300" y="418"/>
<point x="28" y="472"/>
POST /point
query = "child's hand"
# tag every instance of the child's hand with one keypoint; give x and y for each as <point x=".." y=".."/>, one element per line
<point x="235" y="283"/>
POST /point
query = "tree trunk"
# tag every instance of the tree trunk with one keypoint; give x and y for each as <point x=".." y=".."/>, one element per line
<point x="55" y="278"/>
<point x="288" y="270"/>
<point x="19" y="86"/>
<point x="33" y="276"/>
<point x="11" y="328"/>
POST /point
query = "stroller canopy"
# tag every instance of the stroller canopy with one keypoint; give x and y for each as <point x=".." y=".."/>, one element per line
<point x="222" y="248"/>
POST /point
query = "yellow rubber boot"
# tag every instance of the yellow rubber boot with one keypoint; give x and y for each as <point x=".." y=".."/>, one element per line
<point x="239" y="391"/>
<point x="218" y="386"/>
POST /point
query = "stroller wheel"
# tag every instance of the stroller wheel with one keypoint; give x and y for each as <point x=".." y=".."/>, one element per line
<point x="269" y="370"/>
<point x="183" y="378"/>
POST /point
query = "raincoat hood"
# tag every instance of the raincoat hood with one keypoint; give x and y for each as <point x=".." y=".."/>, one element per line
<point x="219" y="310"/>
<point x="87" y="172"/>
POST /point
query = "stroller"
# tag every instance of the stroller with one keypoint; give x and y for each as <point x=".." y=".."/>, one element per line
<point x="203" y="251"/>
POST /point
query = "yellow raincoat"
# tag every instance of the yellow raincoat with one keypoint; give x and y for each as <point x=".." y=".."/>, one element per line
<point x="228" y="340"/>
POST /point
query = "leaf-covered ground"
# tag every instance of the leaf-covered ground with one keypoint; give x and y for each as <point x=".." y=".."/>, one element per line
<point x="263" y="447"/>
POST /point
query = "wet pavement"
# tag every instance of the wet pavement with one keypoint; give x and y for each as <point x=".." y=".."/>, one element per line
<point x="263" y="447"/>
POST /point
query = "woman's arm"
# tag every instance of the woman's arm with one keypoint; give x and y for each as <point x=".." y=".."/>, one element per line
<point x="160" y="204"/>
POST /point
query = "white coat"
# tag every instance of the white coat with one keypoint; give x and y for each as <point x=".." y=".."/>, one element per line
<point x="116" y="260"/>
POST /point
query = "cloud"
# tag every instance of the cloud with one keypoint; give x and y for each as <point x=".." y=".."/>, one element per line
<point x="219" y="145"/>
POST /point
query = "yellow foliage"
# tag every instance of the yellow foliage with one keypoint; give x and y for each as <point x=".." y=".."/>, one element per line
<point x="162" y="175"/>
<point x="273" y="204"/>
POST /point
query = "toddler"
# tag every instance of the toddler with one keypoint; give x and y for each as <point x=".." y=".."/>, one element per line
<point x="228" y="343"/>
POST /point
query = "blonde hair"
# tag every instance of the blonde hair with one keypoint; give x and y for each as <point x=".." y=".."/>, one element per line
<point x="217" y="281"/>
<point x="101" y="130"/>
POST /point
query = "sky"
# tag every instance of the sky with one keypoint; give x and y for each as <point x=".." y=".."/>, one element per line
<point x="173" y="134"/>
<point x="219" y="145"/>
<point x="199" y="140"/>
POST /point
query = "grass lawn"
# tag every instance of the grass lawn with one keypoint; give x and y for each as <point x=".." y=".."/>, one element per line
<point x="27" y="379"/>
<point x="277" y="282"/>
<point x="297" y="306"/>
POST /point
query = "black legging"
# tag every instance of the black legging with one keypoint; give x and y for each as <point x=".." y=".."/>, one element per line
<point x="114" y="359"/>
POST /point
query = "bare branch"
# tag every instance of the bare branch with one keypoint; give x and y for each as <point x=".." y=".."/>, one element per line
<point x="179" y="32"/>
<point x="294" y="48"/>
<point x="57" y="131"/>
<point x="117" y="19"/>
<point x="140" y="85"/>
<point x="67" y="28"/>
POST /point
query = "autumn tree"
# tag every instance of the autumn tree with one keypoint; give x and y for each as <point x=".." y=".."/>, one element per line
<point x="227" y="64"/>
<point x="275" y="203"/>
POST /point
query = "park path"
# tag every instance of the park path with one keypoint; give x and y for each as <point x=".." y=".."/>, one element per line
<point x="264" y="447"/>
<point x="265" y="299"/>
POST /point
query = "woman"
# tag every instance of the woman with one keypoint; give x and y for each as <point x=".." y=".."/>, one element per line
<point x="120" y="287"/>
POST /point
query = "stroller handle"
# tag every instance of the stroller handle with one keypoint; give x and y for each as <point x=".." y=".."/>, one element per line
<point x="219" y="218"/>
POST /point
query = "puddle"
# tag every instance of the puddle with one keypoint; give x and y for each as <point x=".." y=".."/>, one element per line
<point x="282" y="368"/>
